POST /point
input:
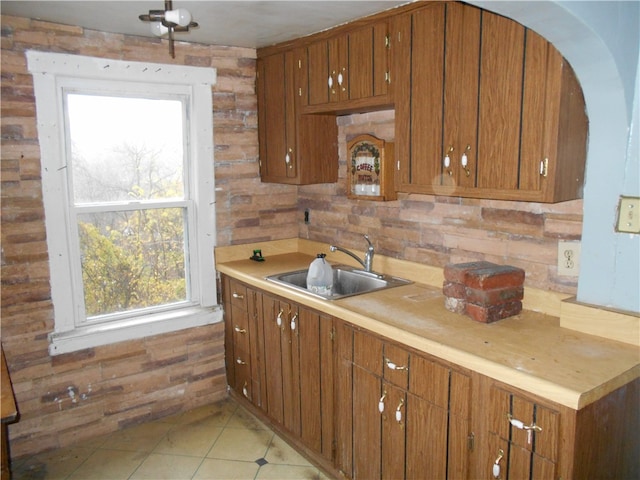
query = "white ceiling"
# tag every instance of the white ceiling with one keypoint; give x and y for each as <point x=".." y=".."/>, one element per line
<point x="234" y="23"/>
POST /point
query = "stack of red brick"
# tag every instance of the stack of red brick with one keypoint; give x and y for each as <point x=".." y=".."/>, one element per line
<point x="484" y="291"/>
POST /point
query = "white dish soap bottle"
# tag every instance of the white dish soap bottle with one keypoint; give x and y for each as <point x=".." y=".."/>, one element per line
<point x="320" y="276"/>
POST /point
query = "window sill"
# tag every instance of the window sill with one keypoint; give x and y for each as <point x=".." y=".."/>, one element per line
<point x="131" y="329"/>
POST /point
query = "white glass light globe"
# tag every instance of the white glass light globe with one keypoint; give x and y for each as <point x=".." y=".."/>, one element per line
<point x="180" y="16"/>
<point x="158" y="29"/>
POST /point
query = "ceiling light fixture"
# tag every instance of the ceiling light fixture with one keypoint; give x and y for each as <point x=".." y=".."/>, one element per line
<point x="168" y="21"/>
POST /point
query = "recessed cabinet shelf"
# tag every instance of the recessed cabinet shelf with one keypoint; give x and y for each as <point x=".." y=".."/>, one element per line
<point x="370" y="169"/>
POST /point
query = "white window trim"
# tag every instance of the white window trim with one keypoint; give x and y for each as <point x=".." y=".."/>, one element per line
<point x="51" y="71"/>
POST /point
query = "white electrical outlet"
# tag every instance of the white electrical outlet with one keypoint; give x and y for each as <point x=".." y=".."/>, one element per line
<point x="629" y="215"/>
<point x="569" y="258"/>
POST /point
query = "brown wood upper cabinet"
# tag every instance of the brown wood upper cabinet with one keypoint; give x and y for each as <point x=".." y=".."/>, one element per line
<point x="350" y="71"/>
<point x="294" y="148"/>
<point x="485" y="108"/>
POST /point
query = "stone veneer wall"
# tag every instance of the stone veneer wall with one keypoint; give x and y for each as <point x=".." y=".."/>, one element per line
<point x="437" y="230"/>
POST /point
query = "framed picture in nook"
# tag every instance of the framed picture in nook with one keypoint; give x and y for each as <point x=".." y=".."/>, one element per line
<point x="370" y="169"/>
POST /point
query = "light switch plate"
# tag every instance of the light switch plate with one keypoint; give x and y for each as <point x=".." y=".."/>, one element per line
<point x="628" y="215"/>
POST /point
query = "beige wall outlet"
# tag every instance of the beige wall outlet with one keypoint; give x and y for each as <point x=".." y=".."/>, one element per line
<point x="569" y="258"/>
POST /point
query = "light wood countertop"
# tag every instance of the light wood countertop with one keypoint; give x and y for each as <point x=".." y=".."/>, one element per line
<point x="530" y="351"/>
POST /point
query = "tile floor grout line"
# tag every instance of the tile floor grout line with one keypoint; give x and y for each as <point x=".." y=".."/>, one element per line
<point x="206" y="455"/>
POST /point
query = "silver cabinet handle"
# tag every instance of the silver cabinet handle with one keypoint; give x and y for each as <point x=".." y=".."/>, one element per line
<point x="239" y="330"/>
<point x="237" y="295"/>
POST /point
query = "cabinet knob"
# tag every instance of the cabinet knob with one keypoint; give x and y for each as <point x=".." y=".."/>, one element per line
<point x="293" y="322"/>
<point x="239" y="361"/>
<point x="245" y="390"/>
<point x="279" y="318"/>
<point x="237" y="295"/>
<point x="239" y="330"/>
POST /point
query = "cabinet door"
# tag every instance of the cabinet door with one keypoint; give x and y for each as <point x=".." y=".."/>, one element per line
<point x="499" y="114"/>
<point x="368" y="51"/>
<point x="273" y="319"/>
<point x="395" y="422"/>
<point x="420" y="71"/>
<point x="426" y="440"/>
<point x="462" y="72"/>
<point x="318" y="90"/>
<point x="294" y="148"/>
<point x="328" y="75"/>
<point x="344" y="398"/>
<point x="367" y="439"/>
<point x="427" y="420"/>
<point x="309" y="373"/>
<point x="275" y="109"/>
<point x="289" y="344"/>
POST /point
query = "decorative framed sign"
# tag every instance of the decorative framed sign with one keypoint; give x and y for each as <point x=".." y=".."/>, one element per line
<point x="370" y="169"/>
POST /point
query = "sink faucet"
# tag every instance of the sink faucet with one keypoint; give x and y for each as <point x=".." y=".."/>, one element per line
<point x="367" y="263"/>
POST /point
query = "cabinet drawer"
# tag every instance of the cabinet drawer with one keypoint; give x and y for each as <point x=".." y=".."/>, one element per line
<point x="367" y="352"/>
<point x="238" y="294"/>
<point x="430" y="381"/>
<point x="242" y="373"/>
<point x="396" y="365"/>
<point x="240" y="326"/>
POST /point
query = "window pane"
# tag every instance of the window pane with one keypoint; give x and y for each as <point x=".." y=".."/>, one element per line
<point x="133" y="259"/>
<point x="125" y="148"/>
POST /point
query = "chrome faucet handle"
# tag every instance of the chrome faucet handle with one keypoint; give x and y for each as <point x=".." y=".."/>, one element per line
<point x="366" y="237"/>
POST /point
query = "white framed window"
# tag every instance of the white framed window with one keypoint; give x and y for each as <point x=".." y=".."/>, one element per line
<point x="129" y="196"/>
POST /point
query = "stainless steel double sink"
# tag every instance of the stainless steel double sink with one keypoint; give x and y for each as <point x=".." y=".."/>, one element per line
<point x="347" y="281"/>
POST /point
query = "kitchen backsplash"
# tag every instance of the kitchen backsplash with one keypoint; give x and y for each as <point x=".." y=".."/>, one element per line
<point x="437" y="230"/>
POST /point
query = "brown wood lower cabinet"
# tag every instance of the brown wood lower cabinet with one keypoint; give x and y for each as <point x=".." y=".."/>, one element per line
<point x="401" y="414"/>
<point x="299" y="372"/>
<point x="287" y="370"/>
<point x="362" y="406"/>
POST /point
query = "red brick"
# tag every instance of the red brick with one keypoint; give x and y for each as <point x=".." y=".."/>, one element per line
<point x="454" y="290"/>
<point x="497" y="276"/>
<point x="494" y="312"/>
<point x="496" y="296"/>
<point x="457" y="272"/>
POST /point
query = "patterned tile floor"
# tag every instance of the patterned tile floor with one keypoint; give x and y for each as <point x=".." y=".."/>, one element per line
<point x="219" y="441"/>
